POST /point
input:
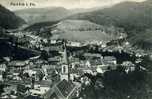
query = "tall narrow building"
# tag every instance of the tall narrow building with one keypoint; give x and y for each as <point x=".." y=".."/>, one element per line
<point x="65" y="56"/>
<point x="65" y="65"/>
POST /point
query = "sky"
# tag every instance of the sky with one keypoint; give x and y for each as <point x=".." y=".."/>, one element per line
<point x="69" y="4"/>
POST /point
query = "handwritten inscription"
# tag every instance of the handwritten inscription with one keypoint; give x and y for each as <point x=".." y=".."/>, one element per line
<point x="22" y="4"/>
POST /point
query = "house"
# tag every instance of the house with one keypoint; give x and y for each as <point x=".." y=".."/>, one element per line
<point x="51" y="72"/>
<point x="87" y="70"/>
<point x="93" y="59"/>
<point x="54" y="60"/>
<point x="93" y="63"/>
<point x="75" y="73"/>
<point x="93" y="55"/>
<point x="1" y="75"/>
<point x="74" y="44"/>
<point x="103" y="68"/>
<point x="7" y="59"/>
<point x="111" y="60"/>
<point x="88" y="64"/>
<point x="3" y="67"/>
<point x="75" y="64"/>
<point x="30" y="72"/>
<point x="106" y="63"/>
<point x="100" y="70"/>
<point x="41" y="88"/>
<point x="129" y="66"/>
<point x="53" y="41"/>
<point x="18" y="65"/>
<point x="104" y="45"/>
<point x="9" y="92"/>
<point x="62" y="90"/>
<point x="138" y="60"/>
<point x="37" y="73"/>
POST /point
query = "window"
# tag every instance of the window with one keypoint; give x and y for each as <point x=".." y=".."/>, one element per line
<point x="64" y="69"/>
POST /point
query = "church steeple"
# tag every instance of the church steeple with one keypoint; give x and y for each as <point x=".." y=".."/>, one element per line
<point x="65" y="56"/>
<point x="65" y="66"/>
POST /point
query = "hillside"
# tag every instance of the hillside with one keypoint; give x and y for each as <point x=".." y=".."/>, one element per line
<point x="36" y="15"/>
<point x="8" y="19"/>
<point x="134" y="17"/>
<point x="37" y="26"/>
<point x="129" y="15"/>
<point x="84" y="30"/>
<point x="144" y="40"/>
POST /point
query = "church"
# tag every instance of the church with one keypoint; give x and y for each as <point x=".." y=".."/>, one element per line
<point x="65" y="88"/>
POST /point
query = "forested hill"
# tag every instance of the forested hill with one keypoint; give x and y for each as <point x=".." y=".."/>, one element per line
<point x="8" y="19"/>
<point x="36" y="15"/>
<point x="134" y="17"/>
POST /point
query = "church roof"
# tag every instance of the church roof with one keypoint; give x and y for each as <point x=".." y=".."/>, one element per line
<point x="65" y="87"/>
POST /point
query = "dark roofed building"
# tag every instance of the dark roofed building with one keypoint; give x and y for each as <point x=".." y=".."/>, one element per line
<point x="65" y="87"/>
<point x="92" y="55"/>
<point x="62" y="90"/>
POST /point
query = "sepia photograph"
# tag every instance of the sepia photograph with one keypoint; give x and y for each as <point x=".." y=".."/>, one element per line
<point x="75" y="49"/>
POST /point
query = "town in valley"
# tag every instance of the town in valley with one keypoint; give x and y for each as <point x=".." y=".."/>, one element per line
<point x="72" y="57"/>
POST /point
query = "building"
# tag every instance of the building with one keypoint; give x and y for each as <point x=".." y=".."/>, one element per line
<point x="1" y="75"/>
<point x="18" y="65"/>
<point x="65" y="88"/>
<point x="110" y="60"/>
<point x="74" y="44"/>
<point x="65" y="65"/>
<point x="93" y="56"/>
<point x="62" y="90"/>
<point x="9" y="92"/>
<point x="41" y="88"/>
<point x="3" y="67"/>
<point x="129" y="66"/>
<point x="93" y="63"/>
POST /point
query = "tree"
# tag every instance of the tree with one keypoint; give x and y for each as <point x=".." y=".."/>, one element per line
<point x="44" y="55"/>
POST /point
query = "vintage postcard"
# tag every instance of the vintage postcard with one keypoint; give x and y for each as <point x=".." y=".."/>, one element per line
<point x="75" y="49"/>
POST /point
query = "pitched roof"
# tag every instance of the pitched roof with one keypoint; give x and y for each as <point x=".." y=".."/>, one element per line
<point x="92" y="55"/>
<point x="18" y="63"/>
<point x="65" y="87"/>
<point x="63" y="90"/>
<point x="95" y="62"/>
<point x="109" y="58"/>
<point x="44" y="83"/>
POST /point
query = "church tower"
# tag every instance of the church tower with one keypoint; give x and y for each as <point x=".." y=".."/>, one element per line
<point x="65" y="56"/>
<point x="65" y="64"/>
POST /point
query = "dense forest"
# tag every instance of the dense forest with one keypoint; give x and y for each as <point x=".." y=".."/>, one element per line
<point x="9" y="20"/>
